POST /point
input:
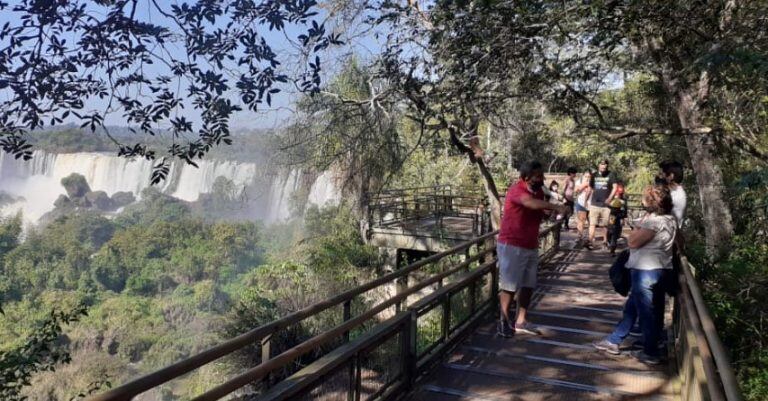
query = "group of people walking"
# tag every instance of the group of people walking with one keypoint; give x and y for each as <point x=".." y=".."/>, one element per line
<point x="597" y="198"/>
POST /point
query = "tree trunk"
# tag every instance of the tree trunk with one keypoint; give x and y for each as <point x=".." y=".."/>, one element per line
<point x="718" y="224"/>
<point x="489" y="183"/>
<point x="494" y="201"/>
<point x="716" y="215"/>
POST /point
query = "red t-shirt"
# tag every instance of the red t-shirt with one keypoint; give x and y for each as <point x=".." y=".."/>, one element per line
<point x="520" y="225"/>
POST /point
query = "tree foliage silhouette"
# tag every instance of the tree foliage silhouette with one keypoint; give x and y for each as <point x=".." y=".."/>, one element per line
<point x="151" y="63"/>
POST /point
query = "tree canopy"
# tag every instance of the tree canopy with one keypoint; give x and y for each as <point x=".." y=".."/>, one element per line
<point x="458" y="63"/>
<point x="152" y="63"/>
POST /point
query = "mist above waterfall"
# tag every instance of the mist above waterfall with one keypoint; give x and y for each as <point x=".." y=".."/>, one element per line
<point x="267" y="190"/>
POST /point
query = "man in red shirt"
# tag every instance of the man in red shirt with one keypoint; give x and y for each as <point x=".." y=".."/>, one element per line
<point x="518" y="244"/>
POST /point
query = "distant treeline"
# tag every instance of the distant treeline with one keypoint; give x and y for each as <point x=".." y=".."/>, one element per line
<point x="248" y="145"/>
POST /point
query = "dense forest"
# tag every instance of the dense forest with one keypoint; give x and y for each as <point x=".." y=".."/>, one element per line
<point x="457" y="93"/>
<point x="157" y="284"/>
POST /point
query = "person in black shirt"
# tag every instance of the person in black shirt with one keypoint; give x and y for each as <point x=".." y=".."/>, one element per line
<point x="603" y="191"/>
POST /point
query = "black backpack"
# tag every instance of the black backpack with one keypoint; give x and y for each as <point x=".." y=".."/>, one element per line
<point x="620" y="276"/>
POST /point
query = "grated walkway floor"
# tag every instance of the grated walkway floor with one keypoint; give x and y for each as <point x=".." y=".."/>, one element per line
<point x="573" y="305"/>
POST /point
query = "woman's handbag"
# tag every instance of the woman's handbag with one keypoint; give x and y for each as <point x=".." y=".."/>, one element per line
<point x="619" y="274"/>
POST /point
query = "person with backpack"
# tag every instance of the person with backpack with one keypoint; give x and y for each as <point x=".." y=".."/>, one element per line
<point x="650" y="263"/>
<point x="618" y="208"/>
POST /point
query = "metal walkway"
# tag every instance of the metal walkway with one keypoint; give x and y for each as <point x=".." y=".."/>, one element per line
<point x="574" y="305"/>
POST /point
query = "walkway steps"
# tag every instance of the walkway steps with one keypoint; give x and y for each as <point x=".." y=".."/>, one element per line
<point x="574" y="305"/>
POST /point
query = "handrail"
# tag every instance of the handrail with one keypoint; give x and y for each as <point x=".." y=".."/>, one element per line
<point x="129" y="390"/>
<point x="421" y="335"/>
<point x="288" y="356"/>
<point x="711" y="341"/>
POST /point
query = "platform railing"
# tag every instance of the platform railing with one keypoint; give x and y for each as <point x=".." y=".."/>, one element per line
<point x="387" y="361"/>
<point x="447" y="294"/>
<point x="396" y="207"/>
<point x="703" y="365"/>
<point x="450" y="274"/>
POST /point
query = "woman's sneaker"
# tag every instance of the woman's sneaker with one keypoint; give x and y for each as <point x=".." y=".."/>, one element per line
<point x="504" y="329"/>
<point x="607" y="346"/>
<point x="639" y="345"/>
<point x="645" y="358"/>
<point x="527" y="328"/>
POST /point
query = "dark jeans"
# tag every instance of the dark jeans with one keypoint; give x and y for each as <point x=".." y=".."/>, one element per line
<point x="614" y="232"/>
<point x="646" y="303"/>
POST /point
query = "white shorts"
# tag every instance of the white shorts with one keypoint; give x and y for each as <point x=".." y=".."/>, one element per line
<point x="517" y="267"/>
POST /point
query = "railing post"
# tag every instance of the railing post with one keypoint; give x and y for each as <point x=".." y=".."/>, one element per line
<point x="351" y="372"/>
<point x="472" y="296"/>
<point x="409" y="349"/>
<point x="466" y="257"/>
<point x="358" y="377"/>
<point x="347" y="314"/>
<point x="401" y="284"/>
<point x="446" y="315"/>
<point x="266" y="354"/>
<point x="494" y="281"/>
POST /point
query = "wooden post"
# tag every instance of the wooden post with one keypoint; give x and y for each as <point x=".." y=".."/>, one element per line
<point x="495" y="283"/>
<point x="401" y="284"/>
<point x="266" y="354"/>
<point x="446" y="315"/>
<point x="358" y="378"/>
<point x="466" y="256"/>
<point x="472" y="296"/>
<point x="347" y="314"/>
<point x="409" y="349"/>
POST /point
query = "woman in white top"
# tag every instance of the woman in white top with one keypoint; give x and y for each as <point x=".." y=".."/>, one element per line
<point x="583" y="191"/>
<point x="650" y="261"/>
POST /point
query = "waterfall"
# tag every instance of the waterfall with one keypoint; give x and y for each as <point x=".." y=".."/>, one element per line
<point x="38" y="181"/>
<point x="280" y="196"/>
<point x="324" y="190"/>
<point x="194" y="181"/>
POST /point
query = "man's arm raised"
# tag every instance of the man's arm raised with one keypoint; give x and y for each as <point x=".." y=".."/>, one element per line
<point x="539" y="204"/>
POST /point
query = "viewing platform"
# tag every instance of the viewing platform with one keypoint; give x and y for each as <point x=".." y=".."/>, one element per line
<point x="406" y="224"/>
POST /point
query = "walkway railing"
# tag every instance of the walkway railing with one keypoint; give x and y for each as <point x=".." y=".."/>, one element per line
<point x="703" y="364"/>
<point x="385" y="363"/>
<point x="370" y="357"/>
<point x="398" y="206"/>
<point x="381" y="351"/>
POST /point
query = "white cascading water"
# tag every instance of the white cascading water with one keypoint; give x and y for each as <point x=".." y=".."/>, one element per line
<point x="38" y="181"/>
<point x="279" y="208"/>
<point x="324" y="191"/>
